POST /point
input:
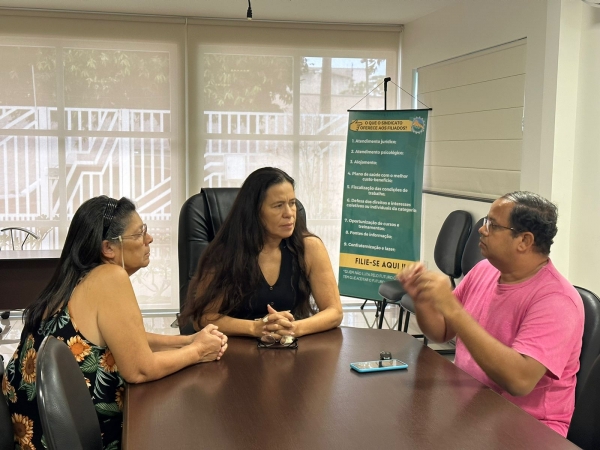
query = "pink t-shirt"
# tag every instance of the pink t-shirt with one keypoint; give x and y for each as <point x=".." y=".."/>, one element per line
<point x="542" y="318"/>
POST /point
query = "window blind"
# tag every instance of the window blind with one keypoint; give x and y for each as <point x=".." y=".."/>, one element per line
<point x="475" y="129"/>
<point x="91" y="107"/>
<point x="99" y="104"/>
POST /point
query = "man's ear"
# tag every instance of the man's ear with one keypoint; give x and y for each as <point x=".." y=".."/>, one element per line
<point x="108" y="250"/>
<point x="527" y="241"/>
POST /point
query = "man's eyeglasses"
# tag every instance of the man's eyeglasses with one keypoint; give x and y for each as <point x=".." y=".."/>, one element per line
<point x="136" y="235"/>
<point x="269" y="341"/>
<point x="491" y="226"/>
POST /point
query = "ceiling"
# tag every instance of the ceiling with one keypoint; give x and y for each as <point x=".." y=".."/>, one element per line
<point x="332" y="11"/>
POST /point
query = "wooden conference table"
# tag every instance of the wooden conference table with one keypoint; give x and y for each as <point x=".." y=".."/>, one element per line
<point x="23" y="276"/>
<point x="309" y="398"/>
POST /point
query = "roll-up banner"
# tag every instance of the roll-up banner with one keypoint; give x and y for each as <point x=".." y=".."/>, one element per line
<point x="383" y="184"/>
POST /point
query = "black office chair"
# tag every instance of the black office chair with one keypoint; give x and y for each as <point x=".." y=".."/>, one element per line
<point x="447" y="254"/>
<point x="584" y="430"/>
<point x="470" y="257"/>
<point x="590" y="345"/>
<point x="472" y="253"/>
<point x="6" y="428"/>
<point x="200" y="219"/>
<point x="67" y="414"/>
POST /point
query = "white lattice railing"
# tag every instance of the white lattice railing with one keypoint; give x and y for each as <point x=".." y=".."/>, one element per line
<point x="85" y="119"/>
<point x="224" y="150"/>
<point x="259" y="123"/>
<point x="35" y="180"/>
<point x="30" y="168"/>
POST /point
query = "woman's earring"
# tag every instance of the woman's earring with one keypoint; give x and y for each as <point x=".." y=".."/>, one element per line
<point x="122" y="257"/>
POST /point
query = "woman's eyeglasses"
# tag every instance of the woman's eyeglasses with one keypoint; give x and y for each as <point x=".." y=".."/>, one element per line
<point x="269" y="341"/>
<point x="134" y="236"/>
<point x="131" y="236"/>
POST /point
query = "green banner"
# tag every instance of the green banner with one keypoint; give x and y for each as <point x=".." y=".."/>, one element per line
<point x="383" y="183"/>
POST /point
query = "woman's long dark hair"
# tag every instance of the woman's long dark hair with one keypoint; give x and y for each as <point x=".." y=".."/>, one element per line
<point x="81" y="253"/>
<point x="228" y="269"/>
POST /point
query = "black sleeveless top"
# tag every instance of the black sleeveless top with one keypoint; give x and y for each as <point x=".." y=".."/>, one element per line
<point x="282" y="295"/>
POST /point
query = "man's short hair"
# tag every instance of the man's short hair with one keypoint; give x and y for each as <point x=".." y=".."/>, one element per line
<point x="532" y="212"/>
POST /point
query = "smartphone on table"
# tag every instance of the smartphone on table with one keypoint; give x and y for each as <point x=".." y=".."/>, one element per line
<point x="376" y="366"/>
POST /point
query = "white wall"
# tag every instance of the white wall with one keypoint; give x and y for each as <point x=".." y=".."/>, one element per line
<point x="467" y="27"/>
<point x="585" y="226"/>
<point x="560" y="156"/>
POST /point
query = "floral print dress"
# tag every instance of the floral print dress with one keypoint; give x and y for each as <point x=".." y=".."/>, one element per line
<point x="97" y="366"/>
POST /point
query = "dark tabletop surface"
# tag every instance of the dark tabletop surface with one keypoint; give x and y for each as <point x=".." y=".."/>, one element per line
<point x="309" y="398"/>
<point x="23" y="276"/>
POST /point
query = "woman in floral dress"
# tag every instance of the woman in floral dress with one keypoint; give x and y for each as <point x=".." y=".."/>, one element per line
<point x="89" y="304"/>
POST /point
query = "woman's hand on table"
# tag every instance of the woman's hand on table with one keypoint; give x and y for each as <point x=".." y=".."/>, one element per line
<point x="278" y="323"/>
<point x="210" y="343"/>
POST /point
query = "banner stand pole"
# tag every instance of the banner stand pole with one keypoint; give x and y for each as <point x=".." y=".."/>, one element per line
<point x="385" y="82"/>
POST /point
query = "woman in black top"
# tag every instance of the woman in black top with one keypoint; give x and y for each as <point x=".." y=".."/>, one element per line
<point x="264" y="263"/>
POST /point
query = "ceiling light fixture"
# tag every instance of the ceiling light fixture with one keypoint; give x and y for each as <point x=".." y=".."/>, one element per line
<point x="249" y="12"/>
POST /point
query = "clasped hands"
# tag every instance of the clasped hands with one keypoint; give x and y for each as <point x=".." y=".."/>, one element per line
<point x="276" y="324"/>
<point x="426" y="286"/>
<point x="210" y="342"/>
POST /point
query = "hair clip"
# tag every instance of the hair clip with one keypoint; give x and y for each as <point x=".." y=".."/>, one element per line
<point x="109" y="214"/>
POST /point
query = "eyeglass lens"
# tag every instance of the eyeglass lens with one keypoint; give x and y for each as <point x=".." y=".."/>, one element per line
<point x="269" y="339"/>
<point x="137" y="235"/>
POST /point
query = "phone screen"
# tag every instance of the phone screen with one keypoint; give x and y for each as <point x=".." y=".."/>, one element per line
<point x="380" y="364"/>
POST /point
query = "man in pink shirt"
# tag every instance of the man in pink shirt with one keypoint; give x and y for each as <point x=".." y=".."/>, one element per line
<point x="517" y="321"/>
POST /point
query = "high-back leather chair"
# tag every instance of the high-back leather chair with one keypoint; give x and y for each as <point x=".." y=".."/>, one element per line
<point x="67" y="414"/>
<point x="6" y="428"/>
<point x="584" y="430"/>
<point x="590" y="345"/>
<point x="200" y="219"/>
<point x="447" y="255"/>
